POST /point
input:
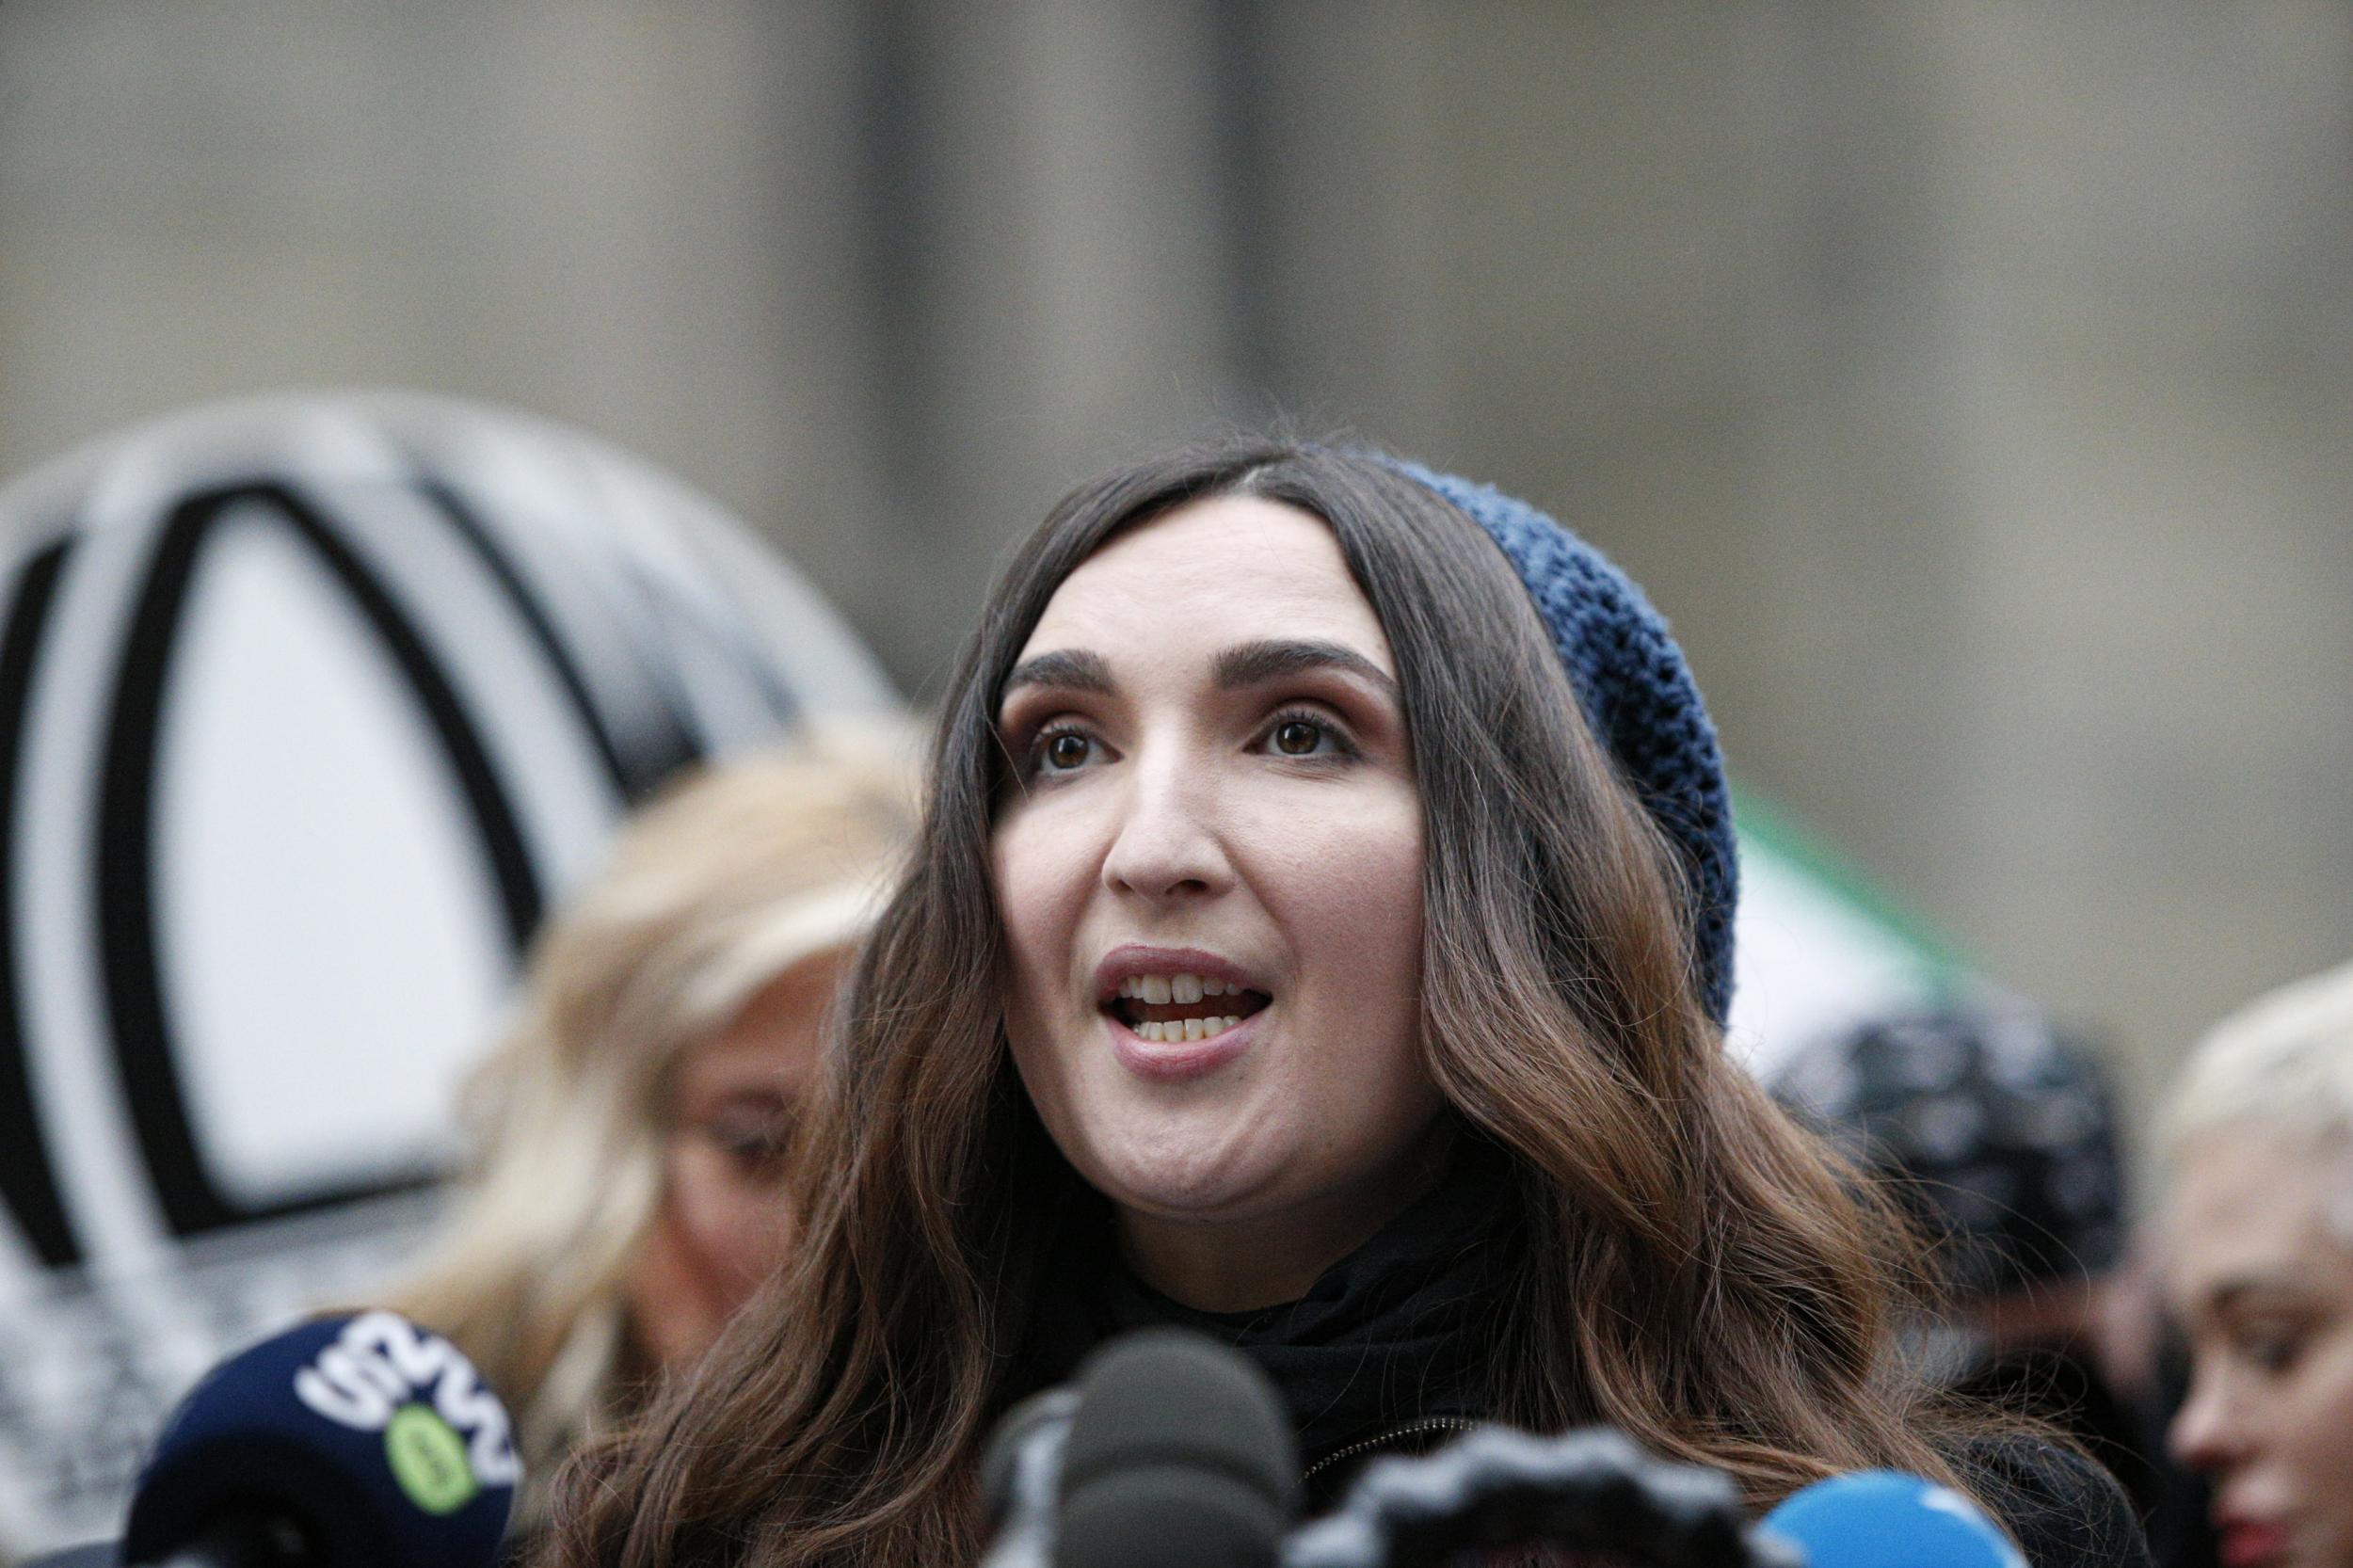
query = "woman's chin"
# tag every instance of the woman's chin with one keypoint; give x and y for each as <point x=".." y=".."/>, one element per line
<point x="1196" y="1185"/>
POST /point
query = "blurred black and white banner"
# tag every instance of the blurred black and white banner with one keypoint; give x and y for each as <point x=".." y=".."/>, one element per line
<point x="309" y="709"/>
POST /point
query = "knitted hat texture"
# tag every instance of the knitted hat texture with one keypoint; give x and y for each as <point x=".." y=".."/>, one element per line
<point x="1638" y="698"/>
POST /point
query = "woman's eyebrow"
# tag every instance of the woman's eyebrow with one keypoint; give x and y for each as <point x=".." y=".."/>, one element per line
<point x="2254" y="1291"/>
<point x="1255" y="664"/>
<point x="1074" y="670"/>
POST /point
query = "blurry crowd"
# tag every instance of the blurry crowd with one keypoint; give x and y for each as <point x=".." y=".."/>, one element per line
<point x="630" y="1180"/>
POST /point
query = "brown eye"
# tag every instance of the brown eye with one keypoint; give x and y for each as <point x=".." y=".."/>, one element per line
<point x="1067" y="750"/>
<point x="1297" y="737"/>
<point x="754" y="1136"/>
<point x="757" y="1155"/>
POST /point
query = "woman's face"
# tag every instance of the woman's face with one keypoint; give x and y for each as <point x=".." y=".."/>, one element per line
<point x="723" y="1224"/>
<point x="2260" y="1264"/>
<point x="1210" y="877"/>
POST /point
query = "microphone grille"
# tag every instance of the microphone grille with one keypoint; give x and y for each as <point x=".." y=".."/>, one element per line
<point x="1180" y="1452"/>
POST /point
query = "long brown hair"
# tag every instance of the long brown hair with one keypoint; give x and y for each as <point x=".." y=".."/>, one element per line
<point x="1695" y="1271"/>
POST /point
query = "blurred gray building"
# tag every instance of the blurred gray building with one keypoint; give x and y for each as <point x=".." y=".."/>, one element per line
<point x="1973" y="383"/>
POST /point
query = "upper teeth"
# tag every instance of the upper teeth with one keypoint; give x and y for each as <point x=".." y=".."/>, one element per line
<point x="1176" y="1029"/>
<point x="1160" y="989"/>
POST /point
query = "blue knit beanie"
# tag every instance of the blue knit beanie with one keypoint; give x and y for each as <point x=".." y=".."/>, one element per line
<point x="1638" y="699"/>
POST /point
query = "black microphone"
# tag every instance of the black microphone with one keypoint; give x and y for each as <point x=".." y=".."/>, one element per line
<point x="1591" y="1490"/>
<point x="348" y="1442"/>
<point x="1171" y="1451"/>
<point x="1181" y="1456"/>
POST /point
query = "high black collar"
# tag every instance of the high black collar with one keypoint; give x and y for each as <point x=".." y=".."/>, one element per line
<point x="1398" y="1331"/>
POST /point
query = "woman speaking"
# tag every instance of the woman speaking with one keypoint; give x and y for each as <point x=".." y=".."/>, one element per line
<point x="1319" y="934"/>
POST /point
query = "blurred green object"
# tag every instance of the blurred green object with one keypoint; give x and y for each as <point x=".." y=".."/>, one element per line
<point x="1818" y="948"/>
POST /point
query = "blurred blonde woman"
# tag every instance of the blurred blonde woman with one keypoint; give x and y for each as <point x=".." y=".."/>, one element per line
<point x="631" y="1128"/>
<point x="2258" y="1253"/>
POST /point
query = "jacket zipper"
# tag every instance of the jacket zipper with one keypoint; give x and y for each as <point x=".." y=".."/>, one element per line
<point x="1434" y="1423"/>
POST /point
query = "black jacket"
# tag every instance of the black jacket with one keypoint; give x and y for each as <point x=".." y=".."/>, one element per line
<point x="1387" y="1353"/>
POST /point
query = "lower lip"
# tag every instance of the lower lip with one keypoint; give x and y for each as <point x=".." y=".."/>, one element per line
<point x="2250" y="1546"/>
<point x="1172" y="1063"/>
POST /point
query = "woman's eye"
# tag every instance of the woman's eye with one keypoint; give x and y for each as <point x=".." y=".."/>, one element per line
<point x="1065" y="751"/>
<point x="2271" y="1353"/>
<point x="753" y="1138"/>
<point x="755" y="1152"/>
<point x="2269" y="1350"/>
<point x="1304" y="735"/>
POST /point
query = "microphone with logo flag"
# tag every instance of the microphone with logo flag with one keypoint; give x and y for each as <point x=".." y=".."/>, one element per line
<point x="347" y="1442"/>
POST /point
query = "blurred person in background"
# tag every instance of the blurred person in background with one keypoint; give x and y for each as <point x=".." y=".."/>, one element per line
<point x="1999" y="1133"/>
<point x="629" y="1129"/>
<point x="2256" y="1246"/>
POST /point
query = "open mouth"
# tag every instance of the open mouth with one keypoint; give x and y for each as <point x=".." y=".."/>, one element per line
<point x="1168" y="1009"/>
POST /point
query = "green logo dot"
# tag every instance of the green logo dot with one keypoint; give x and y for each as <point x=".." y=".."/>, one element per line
<point x="428" y="1459"/>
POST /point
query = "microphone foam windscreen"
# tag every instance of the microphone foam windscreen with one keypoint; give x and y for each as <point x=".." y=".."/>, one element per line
<point x="375" y="1439"/>
<point x="1886" y="1519"/>
<point x="1181" y="1453"/>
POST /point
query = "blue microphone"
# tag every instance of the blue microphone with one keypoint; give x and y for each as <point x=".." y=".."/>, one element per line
<point x="1886" y="1519"/>
<point x="350" y="1442"/>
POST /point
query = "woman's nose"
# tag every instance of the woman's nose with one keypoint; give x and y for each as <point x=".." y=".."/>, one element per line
<point x="2207" y="1432"/>
<point x="1167" y="842"/>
